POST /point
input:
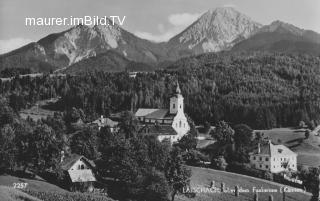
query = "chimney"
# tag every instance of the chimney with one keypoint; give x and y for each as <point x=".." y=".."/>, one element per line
<point x="259" y="150"/>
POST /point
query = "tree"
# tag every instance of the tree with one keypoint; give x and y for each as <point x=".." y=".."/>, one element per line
<point x="178" y="176"/>
<point x="223" y="133"/>
<point x="44" y="148"/>
<point x="219" y="163"/>
<point x="85" y="142"/>
<point x="243" y="135"/>
<point x="187" y="142"/>
<point x="8" y="149"/>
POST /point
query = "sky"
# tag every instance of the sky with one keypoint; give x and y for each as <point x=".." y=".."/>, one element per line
<point x="156" y="20"/>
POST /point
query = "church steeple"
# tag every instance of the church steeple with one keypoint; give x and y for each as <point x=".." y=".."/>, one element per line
<point x="176" y="101"/>
<point x="178" y="90"/>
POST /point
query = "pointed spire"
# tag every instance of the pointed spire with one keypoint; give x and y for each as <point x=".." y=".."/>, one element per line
<point x="178" y="90"/>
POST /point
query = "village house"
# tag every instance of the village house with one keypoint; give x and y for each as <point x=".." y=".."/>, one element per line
<point x="106" y="122"/>
<point x="79" y="172"/>
<point x="170" y="124"/>
<point x="273" y="158"/>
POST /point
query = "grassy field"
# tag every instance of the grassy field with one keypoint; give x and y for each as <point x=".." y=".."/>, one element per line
<point x="11" y="194"/>
<point x="32" y="184"/>
<point x="202" y="177"/>
<point x="308" y="150"/>
<point x="41" y="191"/>
<point x="38" y="111"/>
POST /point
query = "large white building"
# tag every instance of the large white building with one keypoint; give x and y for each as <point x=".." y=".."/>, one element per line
<point x="169" y="123"/>
<point x="273" y="158"/>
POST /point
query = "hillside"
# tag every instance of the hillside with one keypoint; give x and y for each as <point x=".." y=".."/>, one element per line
<point x="11" y="194"/>
<point x="33" y="184"/>
<point x="109" y="62"/>
<point x="202" y="177"/>
<point x="281" y="37"/>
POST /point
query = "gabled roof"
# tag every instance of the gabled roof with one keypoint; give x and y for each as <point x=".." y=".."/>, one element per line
<point x="273" y="150"/>
<point x="69" y="161"/>
<point x="141" y="112"/>
<point x="152" y="113"/>
<point x="158" y="114"/>
<point x="160" y="129"/>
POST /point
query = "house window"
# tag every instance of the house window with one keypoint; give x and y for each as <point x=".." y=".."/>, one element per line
<point x="267" y="166"/>
<point x="82" y="167"/>
<point x="173" y="105"/>
<point x="180" y="107"/>
<point x="180" y="124"/>
<point x="254" y="158"/>
<point x="260" y="166"/>
<point x="260" y="158"/>
<point x="267" y="159"/>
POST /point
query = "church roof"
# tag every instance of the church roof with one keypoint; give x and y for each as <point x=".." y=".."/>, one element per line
<point x="141" y="112"/>
<point x="153" y="113"/>
<point x="158" y="114"/>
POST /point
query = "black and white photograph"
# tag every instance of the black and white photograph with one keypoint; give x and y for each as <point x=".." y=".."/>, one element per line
<point x="159" y="100"/>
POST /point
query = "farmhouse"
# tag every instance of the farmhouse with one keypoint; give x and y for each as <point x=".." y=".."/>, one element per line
<point x="169" y="123"/>
<point x="79" y="171"/>
<point x="106" y="122"/>
<point x="273" y="158"/>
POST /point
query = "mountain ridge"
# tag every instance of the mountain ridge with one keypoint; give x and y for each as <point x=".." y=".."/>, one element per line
<point x="219" y="29"/>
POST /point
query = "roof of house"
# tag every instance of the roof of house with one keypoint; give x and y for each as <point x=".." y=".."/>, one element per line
<point x="69" y="161"/>
<point x="272" y="150"/>
<point x="160" y="129"/>
<point x="102" y="122"/>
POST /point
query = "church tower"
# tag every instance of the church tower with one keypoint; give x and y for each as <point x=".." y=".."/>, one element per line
<point x="180" y="123"/>
<point x="176" y="101"/>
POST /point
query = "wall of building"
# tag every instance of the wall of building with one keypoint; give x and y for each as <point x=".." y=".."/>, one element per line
<point x="274" y="163"/>
<point x="176" y="104"/>
<point x="180" y="124"/>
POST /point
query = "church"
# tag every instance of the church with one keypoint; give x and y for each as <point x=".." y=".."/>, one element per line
<point x="170" y="124"/>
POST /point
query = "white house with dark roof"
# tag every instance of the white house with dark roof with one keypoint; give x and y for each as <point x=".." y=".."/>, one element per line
<point x="273" y="158"/>
<point x="169" y="123"/>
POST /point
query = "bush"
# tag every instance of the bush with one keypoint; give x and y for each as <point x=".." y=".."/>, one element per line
<point x="219" y="163"/>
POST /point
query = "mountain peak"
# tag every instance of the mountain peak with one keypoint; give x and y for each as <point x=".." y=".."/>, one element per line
<point x="216" y="30"/>
<point x="282" y="27"/>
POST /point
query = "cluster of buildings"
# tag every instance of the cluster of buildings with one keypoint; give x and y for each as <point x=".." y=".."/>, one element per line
<point x="172" y="124"/>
